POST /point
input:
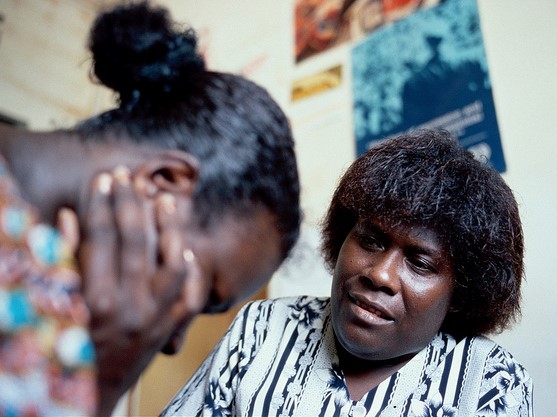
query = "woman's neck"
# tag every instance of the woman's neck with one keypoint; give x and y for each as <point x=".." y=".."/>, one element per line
<point x="363" y="375"/>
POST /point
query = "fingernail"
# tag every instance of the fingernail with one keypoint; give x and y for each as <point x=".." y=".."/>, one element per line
<point x="65" y="217"/>
<point x="103" y="183"/>
<point x="168" y="203"/>
<point x="65" y="214"/>
<point x="122" y="174"/>
<point x="188" y="255"/>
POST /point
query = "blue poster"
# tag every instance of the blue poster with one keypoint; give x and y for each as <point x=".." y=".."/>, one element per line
<point x="427" y="71"/>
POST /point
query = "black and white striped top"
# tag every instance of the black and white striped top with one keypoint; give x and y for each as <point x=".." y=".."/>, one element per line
<point x="279" y="358"/>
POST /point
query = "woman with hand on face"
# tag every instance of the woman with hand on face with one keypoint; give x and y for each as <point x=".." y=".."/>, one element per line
<point x="184" y="199"/>
<point x="426" y="248"/>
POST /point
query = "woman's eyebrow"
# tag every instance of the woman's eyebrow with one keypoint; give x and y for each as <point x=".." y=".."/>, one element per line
<point x="426" y="247"/>
<point x="425" y="250"/>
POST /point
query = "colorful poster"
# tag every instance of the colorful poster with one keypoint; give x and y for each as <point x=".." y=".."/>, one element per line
<point x="323" y="24"/>
<point x="428" y="70"/>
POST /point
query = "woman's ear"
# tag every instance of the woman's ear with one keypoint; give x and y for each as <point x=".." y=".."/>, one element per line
<point x="171" y="171"/>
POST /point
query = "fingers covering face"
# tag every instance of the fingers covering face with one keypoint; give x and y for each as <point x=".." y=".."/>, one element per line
<point x="98" y="248"/>
<point x="137" y="268"/>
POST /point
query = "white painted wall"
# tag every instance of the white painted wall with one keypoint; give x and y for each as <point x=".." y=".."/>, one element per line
<point x="256" y="37"/>
<point x="44" y="63"/>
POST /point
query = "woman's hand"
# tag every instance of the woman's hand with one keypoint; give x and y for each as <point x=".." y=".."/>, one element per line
<point x="141" y="282"/>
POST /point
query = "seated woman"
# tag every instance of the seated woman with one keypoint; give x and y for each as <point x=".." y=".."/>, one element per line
<point x="187" y="198"/>
<point x="426" y="248"/>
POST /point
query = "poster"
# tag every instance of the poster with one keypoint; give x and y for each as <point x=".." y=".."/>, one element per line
<point x="323" y="24"/>
<point x="316" y="83"/>
<point x="428" y="70"/>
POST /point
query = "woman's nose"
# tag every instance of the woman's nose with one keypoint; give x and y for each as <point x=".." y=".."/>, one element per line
<point x="383" y="271"/>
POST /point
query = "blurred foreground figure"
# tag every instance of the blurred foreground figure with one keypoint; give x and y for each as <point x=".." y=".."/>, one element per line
<point x="182" y="200"/>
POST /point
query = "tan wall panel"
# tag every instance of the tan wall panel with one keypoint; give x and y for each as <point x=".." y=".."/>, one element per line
<point x="44" y="62"/>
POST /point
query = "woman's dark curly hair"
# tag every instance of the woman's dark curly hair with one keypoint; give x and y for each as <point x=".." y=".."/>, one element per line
<point x="428" y="179"/>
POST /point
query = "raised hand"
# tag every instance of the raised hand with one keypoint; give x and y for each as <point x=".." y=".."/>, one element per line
<point x="142" y="283"/>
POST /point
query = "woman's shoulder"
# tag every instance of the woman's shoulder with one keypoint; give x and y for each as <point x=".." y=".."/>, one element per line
<point x="494" y="348"/>
<point x="494" y="358"/>
<point x="505" y="383"/>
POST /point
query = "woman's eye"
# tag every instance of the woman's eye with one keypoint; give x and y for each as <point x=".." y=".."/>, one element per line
<point x="421" y="266"/>
<point x="370" y="242"/>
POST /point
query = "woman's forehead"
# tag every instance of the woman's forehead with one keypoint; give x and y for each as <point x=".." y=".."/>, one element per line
<point x="414" y="231"/>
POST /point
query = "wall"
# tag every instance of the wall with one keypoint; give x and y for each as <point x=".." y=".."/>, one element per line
<point x="255" y="37"/>
<point x="44" y="66"/>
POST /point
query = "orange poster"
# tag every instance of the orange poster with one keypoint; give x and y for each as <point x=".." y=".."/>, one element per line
<point x="323" y="24"/>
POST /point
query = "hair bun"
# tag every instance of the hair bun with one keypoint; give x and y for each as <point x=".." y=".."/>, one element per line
<point x="136" y="49"/>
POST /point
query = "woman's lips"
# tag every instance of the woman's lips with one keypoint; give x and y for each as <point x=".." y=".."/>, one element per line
<point x="375" y="309"/>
